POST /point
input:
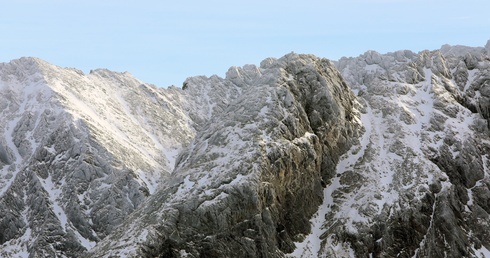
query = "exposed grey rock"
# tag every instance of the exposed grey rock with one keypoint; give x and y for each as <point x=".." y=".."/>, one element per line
<point x="429" y="207"/>
<point x="285" y="159"/>
<point x="252" y="176"/>
<point x="4" y="156"/>
<point x="78" y="154"/>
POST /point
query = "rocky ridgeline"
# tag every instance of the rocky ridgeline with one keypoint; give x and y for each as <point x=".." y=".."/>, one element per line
<point x="79" y="153"/>
<point x="387" y="157"/>
<point x="422" y="183"/>
<point x="251" y="179"/>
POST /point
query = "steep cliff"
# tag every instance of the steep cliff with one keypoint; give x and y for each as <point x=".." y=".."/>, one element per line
<point x="252" y="177"/>
<point x="418" y="185"/>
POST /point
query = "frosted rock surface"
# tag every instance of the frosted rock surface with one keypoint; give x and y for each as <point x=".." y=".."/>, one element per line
<point x="78" y="153"/>
<point x="382" y="155"/>
<point x="418" y="184"/>
<point x="252" y="177"/>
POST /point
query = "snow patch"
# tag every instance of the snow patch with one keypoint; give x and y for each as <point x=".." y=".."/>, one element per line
<point x="185" y="187"/>
<point x="55" y="194"/>
<point x="144" y="180"/>
<point x="483" y="252"/>
<point x="171" y="154"/>
<point x="215" y="200"/>
<point x="88" y="244"/>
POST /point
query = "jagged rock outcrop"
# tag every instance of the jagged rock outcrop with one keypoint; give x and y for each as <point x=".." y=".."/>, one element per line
<point x="249" y="182"/>
<point x="79" y="153"/>
<point x="421" y="181"/>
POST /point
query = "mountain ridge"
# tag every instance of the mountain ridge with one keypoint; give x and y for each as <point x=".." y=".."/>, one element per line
<point x="58" y="137"/>
<point x="381" y="155"/>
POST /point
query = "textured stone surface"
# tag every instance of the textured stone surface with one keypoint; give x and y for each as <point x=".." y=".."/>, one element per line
<point x="386" y="158"/>
<point x="252" y="178"/>
<point x="428" y="141"/>
<point x="78" y="153"/>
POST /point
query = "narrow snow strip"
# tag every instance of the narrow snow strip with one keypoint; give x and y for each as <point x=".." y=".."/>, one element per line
<point x="471" y="78"/>
<point x="17" y="163"/>
<point x="386" y="174"/>
<point x="171" y="155"/>
<point x="311" y="245"/>
<point x="84" y="241"/>
<point x="144" y="180"/>
<point x="485" y="162"/>
<point x="54" y="195"/>
<point x="349" y="159"/>
<point x="422" y="243"/>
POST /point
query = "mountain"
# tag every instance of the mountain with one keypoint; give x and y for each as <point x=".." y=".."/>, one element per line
<point x="252" y="177"/>
<point x="78" y="154"/>
<point x="421" y="183"/>
<point x="381" y="155"/>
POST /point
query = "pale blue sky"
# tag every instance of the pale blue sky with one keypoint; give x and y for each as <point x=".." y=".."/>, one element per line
<point x="164" y="42"/>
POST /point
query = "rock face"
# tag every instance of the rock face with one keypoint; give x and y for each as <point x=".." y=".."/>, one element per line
<point x="78" y="154"/>
<point x="418" y="185"/>
<point x="383" y="155"/>
<point x="252" y="177"/>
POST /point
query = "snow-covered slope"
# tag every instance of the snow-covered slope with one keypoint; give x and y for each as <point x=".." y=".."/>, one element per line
<point x="418" y="183"/>
<point x="78" y="153"/>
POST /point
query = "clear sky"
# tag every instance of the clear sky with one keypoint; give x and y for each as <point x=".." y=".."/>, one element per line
<point x="164" y="42"/>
